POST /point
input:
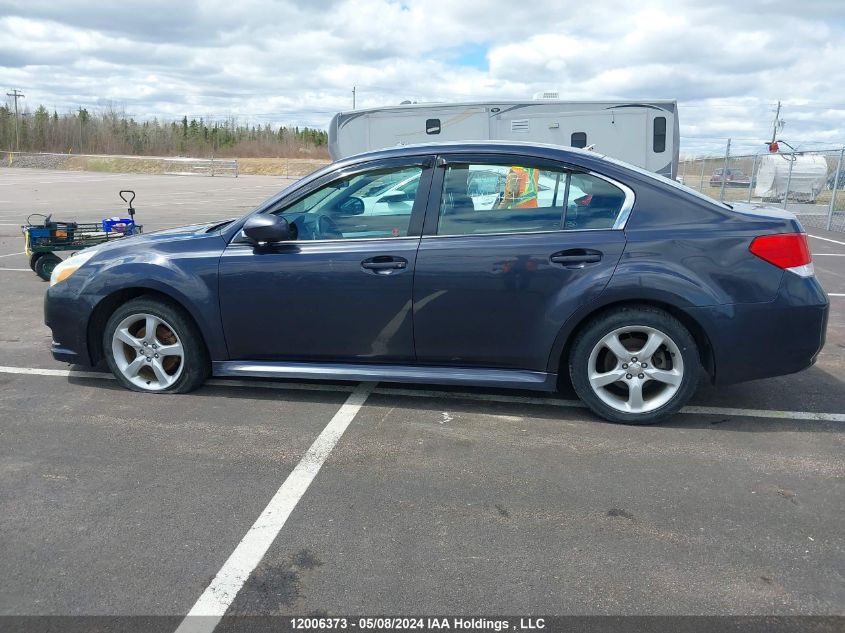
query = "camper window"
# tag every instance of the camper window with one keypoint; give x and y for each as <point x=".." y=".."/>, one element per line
<point x="432" y="126"/>
<point x="578" y="139"/>
<point x="659" y="144"/>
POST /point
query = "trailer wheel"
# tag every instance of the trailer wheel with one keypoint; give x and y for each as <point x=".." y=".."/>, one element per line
<point x="33" y="259"/>
<point x="45" y="264"/>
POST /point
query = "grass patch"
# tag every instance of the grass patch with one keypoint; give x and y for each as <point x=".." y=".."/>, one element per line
<point x="285" y="167"/>
<point x="114" y="164"/>
<point x="289" y="167"/>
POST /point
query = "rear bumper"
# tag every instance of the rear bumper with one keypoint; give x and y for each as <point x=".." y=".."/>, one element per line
<point x="763" y="340"/>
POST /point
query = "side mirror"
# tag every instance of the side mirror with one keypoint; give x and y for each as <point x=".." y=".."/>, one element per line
<point x="269" y="228"/>
<point x="352" y="206"/>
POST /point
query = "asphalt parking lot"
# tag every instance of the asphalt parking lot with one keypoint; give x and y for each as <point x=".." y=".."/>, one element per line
<point x="429" y="501"/>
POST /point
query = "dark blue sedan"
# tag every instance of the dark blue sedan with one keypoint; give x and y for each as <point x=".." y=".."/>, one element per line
<point x="485" y="264"/>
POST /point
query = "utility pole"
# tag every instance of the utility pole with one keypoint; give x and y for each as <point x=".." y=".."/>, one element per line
<point x="775" y="124"/>
<point x="353" y="97"/>
<point x="725" y="171"/>
<point x="16" y="94"/>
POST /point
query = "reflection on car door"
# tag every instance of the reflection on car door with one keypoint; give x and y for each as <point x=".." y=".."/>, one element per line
<point x="340" y="295"/>
<point x="492" y="288"/>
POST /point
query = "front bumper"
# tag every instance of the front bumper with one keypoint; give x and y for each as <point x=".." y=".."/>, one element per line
<point x="67" y="315"/>
<point x="64" y="355"/>
<point x="763" y="340"/>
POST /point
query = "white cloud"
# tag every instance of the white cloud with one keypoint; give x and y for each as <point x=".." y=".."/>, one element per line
<point x="281" y="62"/>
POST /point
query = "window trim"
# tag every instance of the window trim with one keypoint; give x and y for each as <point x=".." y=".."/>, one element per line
<point x="432" y="212"/>
<point x="418" y="212"/>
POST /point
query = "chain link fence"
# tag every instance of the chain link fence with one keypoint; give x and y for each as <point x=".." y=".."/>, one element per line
<point x="809" y="184"/>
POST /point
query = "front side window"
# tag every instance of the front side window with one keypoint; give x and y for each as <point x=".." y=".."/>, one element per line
<point x="373" y="204"/>
<point x="483" y="199"/>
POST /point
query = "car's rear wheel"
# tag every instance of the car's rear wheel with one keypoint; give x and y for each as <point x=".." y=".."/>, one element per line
<point x="153" y="346"/>
<point x="635" y="365"/>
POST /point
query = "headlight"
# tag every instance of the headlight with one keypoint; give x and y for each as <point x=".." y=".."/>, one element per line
<point x="70" y="265"/>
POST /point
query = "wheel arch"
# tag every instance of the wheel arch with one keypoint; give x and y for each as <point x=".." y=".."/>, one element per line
<point x="559" y="358"/>
<point x="111" y="302"/>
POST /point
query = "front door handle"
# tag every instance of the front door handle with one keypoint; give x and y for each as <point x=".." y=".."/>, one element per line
<point x="384" y="264"/>
<point x="576" y="257"/>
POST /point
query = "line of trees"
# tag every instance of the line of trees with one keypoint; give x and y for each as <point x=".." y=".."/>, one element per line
<point x="112" y="132"/>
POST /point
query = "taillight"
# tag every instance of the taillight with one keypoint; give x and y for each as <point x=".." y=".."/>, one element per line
<point x="788" y="251"/>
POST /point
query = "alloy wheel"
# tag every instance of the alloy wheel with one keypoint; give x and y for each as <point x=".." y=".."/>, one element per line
<point x="148" y="352"/>
<point x="635" y="369"/>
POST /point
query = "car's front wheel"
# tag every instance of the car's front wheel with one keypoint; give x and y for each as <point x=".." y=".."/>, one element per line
<point x="635" y="365"/>
<point x="153" y="346"/>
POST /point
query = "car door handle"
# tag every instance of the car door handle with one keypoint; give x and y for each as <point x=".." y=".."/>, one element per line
<point x="576" y="257"/>
<point x="384" y="264"/>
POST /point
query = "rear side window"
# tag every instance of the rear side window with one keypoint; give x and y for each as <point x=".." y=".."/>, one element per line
<point x="485" y="198"/>
<point x="593" y="203"/>
<point x="659" y="144"/>
<point x="578" y="139"/>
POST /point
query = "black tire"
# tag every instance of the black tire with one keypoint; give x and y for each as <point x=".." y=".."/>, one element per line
<point x="196" y="365"/>
<point x="34" y="258"/>
<point x="634" y="316"/>
<point x="45" y="264"/>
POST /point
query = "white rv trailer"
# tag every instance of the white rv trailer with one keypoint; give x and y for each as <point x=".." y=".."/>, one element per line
<point x="641" y="133"/>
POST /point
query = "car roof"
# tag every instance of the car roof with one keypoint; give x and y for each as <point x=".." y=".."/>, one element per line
<point x="468" y="147"/>
<point x="572" y="155"/>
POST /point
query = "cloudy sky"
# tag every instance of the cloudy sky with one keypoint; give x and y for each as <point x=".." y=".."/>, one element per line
<point x="727" y="62"/>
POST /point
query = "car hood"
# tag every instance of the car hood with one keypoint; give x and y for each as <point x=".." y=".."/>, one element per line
<point x="189" y="229"/>
<point x="178" y="232"/>
<point x="188" y="232"/>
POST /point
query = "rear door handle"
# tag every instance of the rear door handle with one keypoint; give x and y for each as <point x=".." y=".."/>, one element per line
<point x="384" y="264"/>
<point x="576" y="257"/>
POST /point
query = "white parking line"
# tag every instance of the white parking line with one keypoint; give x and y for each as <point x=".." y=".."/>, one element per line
<point x="442" y="395"/>
<point x="557" y="402"/>
<point x="10" y="254"/>
<point x="34" y="371"/>
<point x="826" y="239"/>
<point x="18" y="270"/>
<point x="835" y="294"/>
<point x="219" y="595"/>
<point x="828" y="254"/>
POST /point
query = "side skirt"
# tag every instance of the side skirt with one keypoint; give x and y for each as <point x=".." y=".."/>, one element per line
<point x="507" y="378"/>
